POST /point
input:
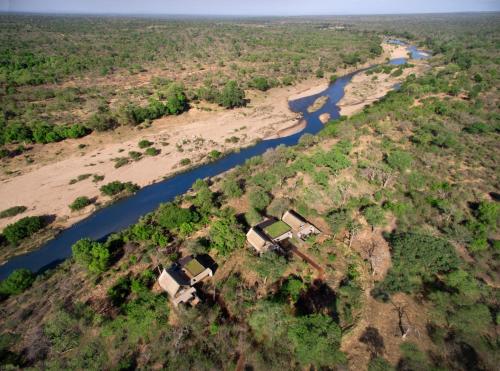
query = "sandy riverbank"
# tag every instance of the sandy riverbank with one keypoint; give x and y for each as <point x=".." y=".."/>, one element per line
<point x="365" y="89"/>
<point x="44" y="187"/>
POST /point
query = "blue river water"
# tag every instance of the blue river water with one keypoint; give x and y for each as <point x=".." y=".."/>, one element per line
<point x="126" y="212"/>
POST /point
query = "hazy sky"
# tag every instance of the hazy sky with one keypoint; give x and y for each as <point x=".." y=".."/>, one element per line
<point x="248" y="7"/>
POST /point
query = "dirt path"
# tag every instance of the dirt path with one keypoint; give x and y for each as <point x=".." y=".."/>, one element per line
<point x="319" y="268"/>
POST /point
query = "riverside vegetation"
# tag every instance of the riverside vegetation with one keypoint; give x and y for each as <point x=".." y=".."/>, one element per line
<point x="406" y="193"/>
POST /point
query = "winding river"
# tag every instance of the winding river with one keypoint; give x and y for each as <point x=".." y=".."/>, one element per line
<point x="127" y="211"/>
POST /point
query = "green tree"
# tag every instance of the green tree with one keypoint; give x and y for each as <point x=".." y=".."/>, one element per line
<point x="176" y="99"/>
<point x="171" y="216"/>
<point x="231" y="188"/>
<point x="232" y="95"/>
<point x="92" y="255"/>
<point x="374" y="215"/>
<point x="399" y="160"/>
<point x="316" y="340"/>
<point x="259" y="199"/>
<point x="417" y="258"/>
<point x="18" y="281"/>
<point x="226" y="235"/>
<point x="23" y="228"/>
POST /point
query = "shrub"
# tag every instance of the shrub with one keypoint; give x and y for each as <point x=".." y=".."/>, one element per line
<point x="134" y="155"/>
<point x="374" y="215"/>
<point x="231" y="188"/>
<point x="260" y="83"/>
<point x="12" y="211"/>
<point x="116" y="187"/>
<point x="80" y="203"/>
<point x="145" y="144"/>
<point x="214" y="154"/>
<point x="316" y="340"/>
<point x="417" y="258"/>
<point x="121" y="161"/>
<point x="252" y="216"/>
<point x="259" y="199"/>
<point x="477" y="128"/>
<point x="185" y="162"/>
<point x="23" y="228"/>
<point x="232" y="95"/>
<point x="226" y="235"/>
<point x="151" y="151"/>
<point x="270" y="266"/>
<point x="278" y="206"/>
<point x="18" y="281"/>
<point x="92" y="255"/>
<point x="399" y="160"/>
<point x="171" y="216"/>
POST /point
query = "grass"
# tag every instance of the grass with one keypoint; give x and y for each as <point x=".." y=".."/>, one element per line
<point x="12" y="211"/>
<point x="277" y="229"/>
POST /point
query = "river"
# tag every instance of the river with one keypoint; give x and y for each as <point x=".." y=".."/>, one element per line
<point x="126" y="212"/>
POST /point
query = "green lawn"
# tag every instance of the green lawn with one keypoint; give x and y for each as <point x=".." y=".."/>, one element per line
<point x="277" y="229"/>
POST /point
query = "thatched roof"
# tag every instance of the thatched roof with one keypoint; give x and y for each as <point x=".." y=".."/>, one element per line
<point x="293" y="219"/>
<point x="257" y="239"/>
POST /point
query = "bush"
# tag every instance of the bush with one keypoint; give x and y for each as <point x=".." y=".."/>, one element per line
<point x="134" y="155"/>
<point x="231" y="188"/>
<point x="416" y="259"/>
<point x="316" y="340"/>
<point x="92" y="255"/>
<point x="374" y="215"/>
<point x="171" y="216"/>
<point x="12" y="211"/>
<point x="121" y="161"/>
<point x="116" y="187"/>
<point x="260" y="83"/>
<point x="232" y="95"/>
<point x="259" y="199"/>
<point x="18" y="281"/>
<point x="80" y="203"/>
<point x="399" y="160"/>
<point x="23" y="228"/>
<point x="252" y="217"/>
<point x="226" y="235"/>
<point x="270" y="266"/>
<point x="185" y="162"/>
<point x="151" y="151"/>
<point x="145" y="144"/>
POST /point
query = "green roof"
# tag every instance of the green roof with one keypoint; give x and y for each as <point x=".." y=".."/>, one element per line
<point x="194" y="267"/>
<point x="277" y="229"/>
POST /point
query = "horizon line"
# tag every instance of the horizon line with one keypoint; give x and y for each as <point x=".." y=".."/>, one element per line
<point x="107" y="14"/>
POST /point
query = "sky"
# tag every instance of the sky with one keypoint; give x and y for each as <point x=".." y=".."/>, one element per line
<point x="248" y="7"/>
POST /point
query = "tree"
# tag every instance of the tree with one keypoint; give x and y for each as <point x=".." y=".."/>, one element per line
<point x="226" y="235"/>
<point x="399" y="160"/>
<point x="232" y="95"/>
<point x="18" y="281"/>
<point x="231" y="188"/>
<point x="417" y="258"/>
<point x="259" y="199"/>
<point x="260" y="83"/>
<point x="116" y="187"/>
<point x="270" y="266"/>
<point x="80" y="203"/>
<point x="176" y="99"/>
<point x="171" y="216"/>
<point x="92" y="255"/>
<point x="23" y="228"/>
<point x="374" y="215"/>
<point x="269" y="322"/>
<point x="316" y="340"/>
